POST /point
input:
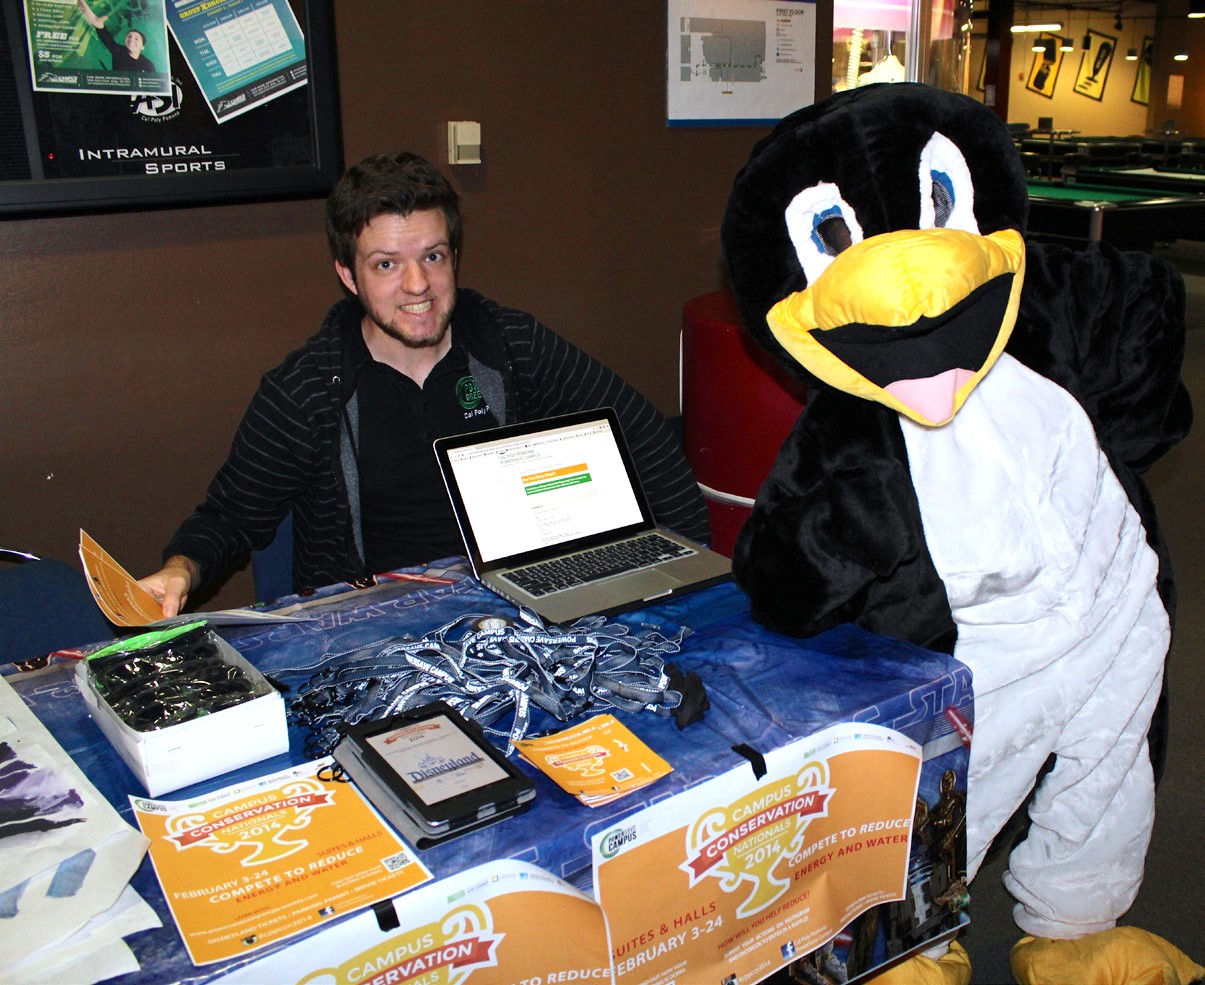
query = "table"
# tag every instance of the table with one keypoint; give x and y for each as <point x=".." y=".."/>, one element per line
<point x="1052" y="133"/>
<point x="1152" y="180"/>
<point x="1127" y="217"/>
<point x="764" y="691"/>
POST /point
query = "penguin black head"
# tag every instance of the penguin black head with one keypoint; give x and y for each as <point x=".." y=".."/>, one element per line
<point x="874" y="243"/>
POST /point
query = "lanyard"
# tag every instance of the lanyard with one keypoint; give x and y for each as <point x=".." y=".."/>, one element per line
<point x="488" y="668"/>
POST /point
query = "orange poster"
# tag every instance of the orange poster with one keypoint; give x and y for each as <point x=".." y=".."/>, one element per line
<point x="502" y="923"/>
<point x="256" y="863"/>
<point x="752" y="873"/>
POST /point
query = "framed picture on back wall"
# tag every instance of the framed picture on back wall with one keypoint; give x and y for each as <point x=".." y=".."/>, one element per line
<point x="1044" y="71"/>
<point x="1094" y="65"/>
<point x="1142" y="78"/>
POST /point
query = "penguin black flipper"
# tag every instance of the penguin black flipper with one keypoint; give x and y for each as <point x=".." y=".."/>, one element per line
<point x="837" y="534"/>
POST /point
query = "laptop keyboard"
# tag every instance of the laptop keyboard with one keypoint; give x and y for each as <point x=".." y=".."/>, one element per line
<point x="644" y="551"/>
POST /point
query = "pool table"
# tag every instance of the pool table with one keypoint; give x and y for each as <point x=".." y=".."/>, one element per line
<point x="1127" y="217"/>
<point x="1147" y="179"/>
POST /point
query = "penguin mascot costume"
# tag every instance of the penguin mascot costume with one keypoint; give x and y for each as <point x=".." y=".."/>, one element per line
<point x="967" y="476"/>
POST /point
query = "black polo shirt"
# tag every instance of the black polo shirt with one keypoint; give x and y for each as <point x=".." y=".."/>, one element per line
<point x="405" y="514"/>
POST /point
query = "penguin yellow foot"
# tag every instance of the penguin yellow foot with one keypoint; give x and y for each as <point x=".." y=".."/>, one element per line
<point x="1121" y="956"/>
<point x="952" y="968"/>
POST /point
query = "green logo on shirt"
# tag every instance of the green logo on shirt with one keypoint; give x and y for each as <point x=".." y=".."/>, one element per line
<point x="468" y="394"/>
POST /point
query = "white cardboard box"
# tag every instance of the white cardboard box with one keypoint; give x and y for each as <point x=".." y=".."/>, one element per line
<point x="171" y="758"/>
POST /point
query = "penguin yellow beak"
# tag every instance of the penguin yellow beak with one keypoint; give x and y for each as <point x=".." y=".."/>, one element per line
<point x="912" y="319"/>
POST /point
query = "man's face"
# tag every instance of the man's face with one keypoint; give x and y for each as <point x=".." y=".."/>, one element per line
<point x="135" y="43"/>
<point x="404" y="274"/>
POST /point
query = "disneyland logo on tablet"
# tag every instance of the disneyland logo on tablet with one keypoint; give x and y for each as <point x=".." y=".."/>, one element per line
<point x="743" y="843"/>
<point x="443" y="952"/>
<point x="263" y="827"/>
<point x="433" y="767"/>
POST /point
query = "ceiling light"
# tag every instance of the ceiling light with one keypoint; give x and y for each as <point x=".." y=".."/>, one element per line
<point x="1031" y="28"/>
<point x="1196" y="8"/>
<point x="1132" y="55"/>
<point x="1066" y="44"/>
<point x="1087" y="42"/>
<point x="1180" y="56"/>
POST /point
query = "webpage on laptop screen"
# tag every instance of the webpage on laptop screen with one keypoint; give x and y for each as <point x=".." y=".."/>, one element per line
<point x="540" y="490"/>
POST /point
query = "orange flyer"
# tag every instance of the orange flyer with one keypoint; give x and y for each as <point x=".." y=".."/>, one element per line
<point x="122" y="600"/>
<point x="597" y="761"/>
<point x="256" y="863"/>
<point x="752" y="873"/>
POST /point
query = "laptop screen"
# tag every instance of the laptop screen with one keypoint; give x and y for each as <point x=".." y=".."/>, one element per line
<point x="542" y="487"/>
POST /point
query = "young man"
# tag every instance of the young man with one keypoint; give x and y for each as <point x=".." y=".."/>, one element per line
<point x="128" y="56"/>
<point x="340" y="433"/>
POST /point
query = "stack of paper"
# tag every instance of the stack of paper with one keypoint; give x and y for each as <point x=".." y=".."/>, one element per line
<point x="597" y="761"/>
<point x="66" y="859"/>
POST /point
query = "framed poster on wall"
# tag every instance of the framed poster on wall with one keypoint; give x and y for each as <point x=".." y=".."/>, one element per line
<point x="1094" y="65"/>
<point x="1142" y="78"/>
<point x="1044" y="71"/>
<point x="126" y="104"/>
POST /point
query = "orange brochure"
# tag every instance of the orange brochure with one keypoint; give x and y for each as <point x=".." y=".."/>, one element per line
<point x="122" y="600"/>
<point x="750" y="873"/>
<point x="256" y="863"/>
<point x="596" y="761"/>
<point x="126" y="603"/>
<point x="501" y="923"/>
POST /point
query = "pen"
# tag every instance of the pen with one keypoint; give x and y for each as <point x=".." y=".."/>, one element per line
<point x="407" y="576"/>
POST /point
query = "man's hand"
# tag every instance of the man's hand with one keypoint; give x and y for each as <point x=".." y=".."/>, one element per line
<point x="89" y="16"/>
<point x="171" y="584"/>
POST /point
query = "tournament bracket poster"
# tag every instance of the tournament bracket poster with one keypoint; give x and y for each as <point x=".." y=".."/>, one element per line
<point x="752" y="873"/>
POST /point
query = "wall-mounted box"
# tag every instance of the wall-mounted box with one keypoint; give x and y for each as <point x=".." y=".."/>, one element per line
<point x="464" y="142"/>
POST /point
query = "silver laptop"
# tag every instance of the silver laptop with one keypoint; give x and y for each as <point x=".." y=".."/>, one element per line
<point x="554" y="518"/>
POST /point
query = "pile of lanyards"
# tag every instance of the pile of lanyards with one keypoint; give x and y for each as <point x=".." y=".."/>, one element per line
<point x="488" y="668"/>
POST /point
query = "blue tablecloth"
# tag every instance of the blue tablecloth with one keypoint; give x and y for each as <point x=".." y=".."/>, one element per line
<point x="764" y="690"/>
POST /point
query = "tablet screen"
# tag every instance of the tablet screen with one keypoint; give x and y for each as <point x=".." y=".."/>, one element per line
<point x="436" y="759"/>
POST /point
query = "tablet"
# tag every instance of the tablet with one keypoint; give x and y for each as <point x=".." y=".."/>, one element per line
<point x="433" y="773"/>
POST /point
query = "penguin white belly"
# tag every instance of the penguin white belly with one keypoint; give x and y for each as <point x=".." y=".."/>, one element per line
<point x="1036" y="541"/>
<point x="1052" y="586"/>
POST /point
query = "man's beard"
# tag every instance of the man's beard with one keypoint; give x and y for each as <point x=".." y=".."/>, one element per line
<point x="429" y="342"/>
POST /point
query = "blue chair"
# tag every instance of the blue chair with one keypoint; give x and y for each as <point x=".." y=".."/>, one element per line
<point x="272" y="568"/>
<point x="45" y="605"/>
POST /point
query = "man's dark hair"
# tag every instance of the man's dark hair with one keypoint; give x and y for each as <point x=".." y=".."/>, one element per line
<point x="134" y="30"/>
<point x="387" y="184"/>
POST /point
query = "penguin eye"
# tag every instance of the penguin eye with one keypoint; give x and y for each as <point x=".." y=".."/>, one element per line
<point x="830" y="232"/>
<point x="947" y="195"/>
<point x="821" y="225"/>
<point x="943" y="198"/>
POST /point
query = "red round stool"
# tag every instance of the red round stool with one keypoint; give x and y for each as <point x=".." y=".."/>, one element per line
<point x="738" y="405"/>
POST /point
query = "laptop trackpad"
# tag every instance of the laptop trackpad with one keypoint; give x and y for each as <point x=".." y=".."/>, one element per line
<point x="648" y="584"/>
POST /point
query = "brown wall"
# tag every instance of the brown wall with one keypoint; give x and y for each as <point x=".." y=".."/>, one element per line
<point x="131" y="342"/>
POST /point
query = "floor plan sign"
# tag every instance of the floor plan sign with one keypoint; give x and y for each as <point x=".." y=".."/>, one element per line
<point x="738" y="61"/>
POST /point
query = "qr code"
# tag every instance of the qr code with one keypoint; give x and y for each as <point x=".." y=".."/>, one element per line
<point x="620" y="775"/>
<point x="395" y="862"/>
